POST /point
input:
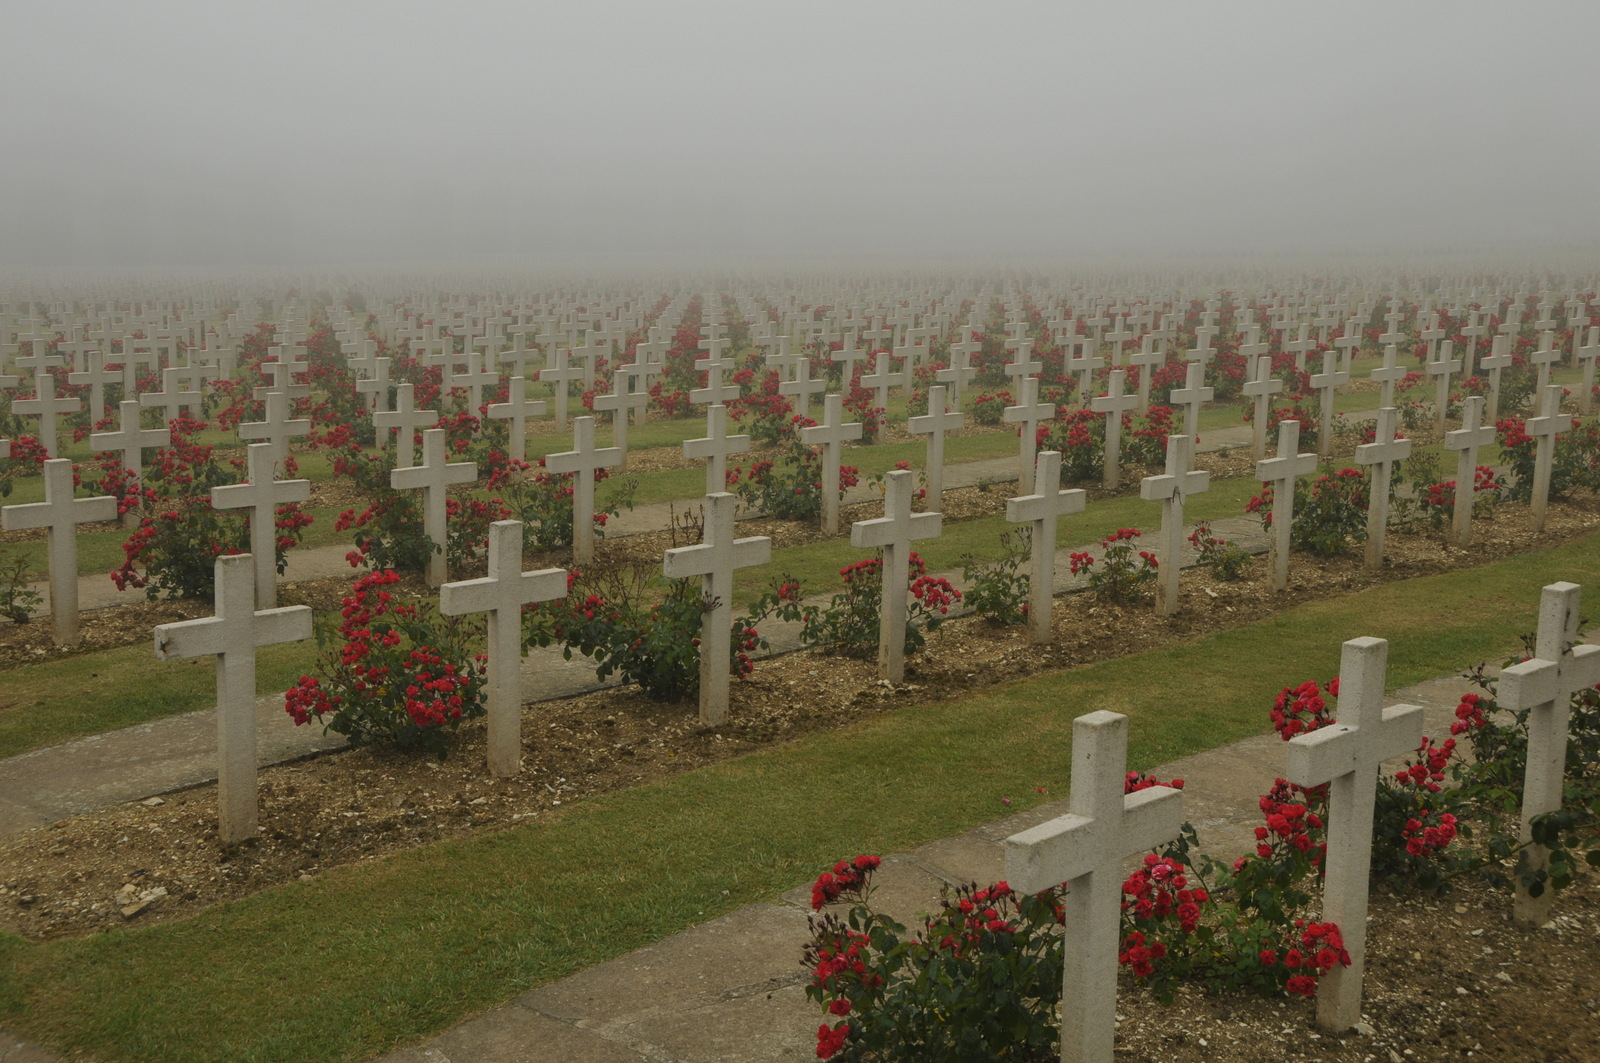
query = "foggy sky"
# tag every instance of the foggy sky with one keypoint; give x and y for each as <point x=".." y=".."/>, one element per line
<point x="286" y="131"/>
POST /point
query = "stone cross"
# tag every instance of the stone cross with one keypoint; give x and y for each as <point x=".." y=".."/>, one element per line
<point x="1024" y="364"/>
<point x="1547" y="355"/>
<point x="61" y="514"/>
<point x="475" y="378"/>
<point x="1113" y="404"/>
<point x="130" y="439"/>
<point x="1348" y="755"/>
<point x="376" y="387"/>
<point x="1470" y="332"/>
<point x="802" y="387"/>
<point x="1191" y="397"/>
<point x="1327" y="382"/>
<point x="1085" y="850"/>
<point x="1472" y="434"/>
<point x="831" y="435"/>
<point x="1282" y="472"/>
<point x="406" y="420"/>
<point x="1171" y="488"/>
<point x="1028" y="412"/>
<point x="717" y="390"/>
<point x="1261" y="387"/>
<point x="621" y="399"/>
<point x="1381" y="454"/>
<point x="1544" y="428"/>
<point x="502" y="594"/>
<point x="232" y="636"/>
<point x="1543" y="687"/>
<point x="517" y="409"/>
<point x="1440" y="368"/>
<point x="894" y="532"/>
<point x="431" y="478"/>
<point x="1350" y="343"/>
<point x="847" y="356"/>
<point x="262" y="495"/>
<point x="585" y="460"/>
<point x="1585" y="356"/>
<point x="1042" y="510"/>
<point x="170" y="398"/>
<point x="714" y="560"/>
<point x="880" y="380"/>
<point x="1084" y="360"/>
<point x="45" y="406"/>
<point x="558" y="374"/>
<point x="1146" y="361"/>
<point x="1498" y="360"/>
<point x="97" y="376"/>
<point x="283" y="375"/>
<point x="277" y="429"/>
<point x="959" y="371"/>
<point x="715" y="446"/>
<point x="934" y="424"/>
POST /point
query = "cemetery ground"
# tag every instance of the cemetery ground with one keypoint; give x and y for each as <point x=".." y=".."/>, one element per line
<point x="630" y="821"/>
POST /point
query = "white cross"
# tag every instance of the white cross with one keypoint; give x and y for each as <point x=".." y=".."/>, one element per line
<point x="432" y="477"/>
<point x="881" y="379"/>
<point x="715" y="446"/>
<point x="847" y="356"/>
<point x="622" y="398"/>
<point x="406" y="420"/>
<point x="1472" y="434"/>
<point x="169" y="398"/>
<point x="1585" y="356"/>
<point x="262" y="495"/>
<point x="717" y="389"/>
<point x="130" y="439"/>
<point x="1330" y="380"/>
<point x="376" y="388"/>
<point x="1543" y="687"/>
<point x="584" y="460"/>
<point x="1470" y="332"/>
<point x="1441" y="367"/>
<point x="1261" y="387"/>
<point x="233" y="635"/>
<point x="475" y="378"/>
<point x="97" y="376"/>
<point x="502" y="594"/>
<point x="831" y="435"/>
<point x="1381" y="454"/>
<point x="802" y="387"/>
<point x="1113" y="404"/>
<point x="1085" y="850"/>
<point x="517" y="409"/>
<point x="1348" y="755"/>
<point x="894" y="533"/>
<point x="1027" y="414"/>
<point x="715" y="559"/>
<point x="1549" y="424"/>
<point x="1498" y="360"/>
<point x="1281" y="472"/>
<point x="45" y="406"/>
<point x="283" y="375"/>
<point x="1171" y="488"/>
<point x="558" y="374"/>
<point x="1084" y="359"/>
<point x="1432" y="333"/>
<point x="1042" y="510"/>
<point x="934" y="424"/>
<point x="1192" y="396"/>
<point x="1146" y="361"/>
<point x="60" y="513"/>
<point x="1350" y="343"/>
<point x="958" y="372"/>
<point x="1547" y="355"/>
<point x="1024" y="364"/>
<point x="277" y="428"/>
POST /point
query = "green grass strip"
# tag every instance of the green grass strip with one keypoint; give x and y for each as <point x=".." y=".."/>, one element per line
<point x="388" y="952"/>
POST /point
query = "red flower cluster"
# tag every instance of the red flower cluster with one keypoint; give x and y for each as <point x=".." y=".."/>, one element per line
<point x="1321" y="950"/>
<point x="1288" y="821"/>
<point x="847" y="876"/>
<point x="1470" y="714"/>
<point x="1303" y="708"/>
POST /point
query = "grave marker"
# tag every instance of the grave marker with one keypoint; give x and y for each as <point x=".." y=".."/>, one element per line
<point x="1261" y="387"/>
<point x="45" y="406"/>
<point x="97" y="376"/>
<point x="934" y="424"/>
<point x="1544" y="428"/>
<point x="262" y="495"/>
<point x="880" y="380"/>
<point x="1440" y="368"/>
<point x="1497" y="360"/>
<point x="1042" y="510"/>
<point x="431" y="478"/>
<point x="376" y="388"/>
<point x="130" y="439"/>
<point x="1171" y="488"/>
<point x="802" y="387"/>
<point x="1113" y="404"/>
<point x="831" y="435"/>
<point x="277" y="429"/>
<point x="1281" y="472"/>
<point x="502" y="594"/>
<point x="1384" y="450"/>
<point x="61" y="514"/>
<point x="894" y="533"/>
<point x="1543" y="686"/>
<point x="517" y="409"/>
<point x="621" y="399"/>
<point x="585" y="460"/>
<point x="1191" y="397"/>
<point x="714" y="560"/>
<point x="1085" y="850"/>
<point x="1467" y="439"/>
<point x="1028" y="412"/>
<point x="1327" y="382"/>
<point x="233" y="636"/>
<point x="558" y="374"/>
<point x="406" y="421"/>
<point x="1348" y="755"/>
<point x="170" y="398"/>
<point x="1585" y="356"/>
<point x="715" y="446"/>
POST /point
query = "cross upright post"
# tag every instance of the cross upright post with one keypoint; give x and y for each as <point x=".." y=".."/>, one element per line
<point x="1084" y="360"/>
<point x="97" y="376"/>
<point x="715" y="446"/>
<point x="1327" y="382"/>
<point x="517" y="409"/>
<point x="1543" y="687"/>
<point x="1350" y="344"/>
<point x="45" y="406"/>
<point x="1192" y="396"/>
<point x="715" y="560"/>
<point x="1381" y="454"/>
<point x="233" y="635"/>
<point x="558" y="374"/>
<point x="1281" y="472"/>
<point x="831" y="435"/>
<point x="1145" y="361"/>
<point x="1495" y="362"/>
<point x="502" y="594"/>
<point x="619" y="401"/>
<point x="934" y="424"/>
<point x="432" y="477"/>
<point x="1546" y="356"/>
<point x="1171" y="488"/>
<point x="1544" y="428"/>
<point x="800" y="389"/>
<point x="1440" y="368"/>
<point x="960" y="370"/>
<point x="130" y="439"/>
<point x="1472" y="434"/>
<point x="1261" y="387"/>
<point x="881" y="379"/>
<point x="1027" y="414"/>
<point x="893" y="533"/>
<point x="1347" y="755"/>
<point x="584" y="459"/>
<point x="1113" y="404"/>
<point x="406" y="420"/>
<point x="1042" y="510"/>
<point x="262" y="495"/>
<point x="1084" y="850"/>
<point x="277" y="429"/>
<point x="61" y="514"/>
